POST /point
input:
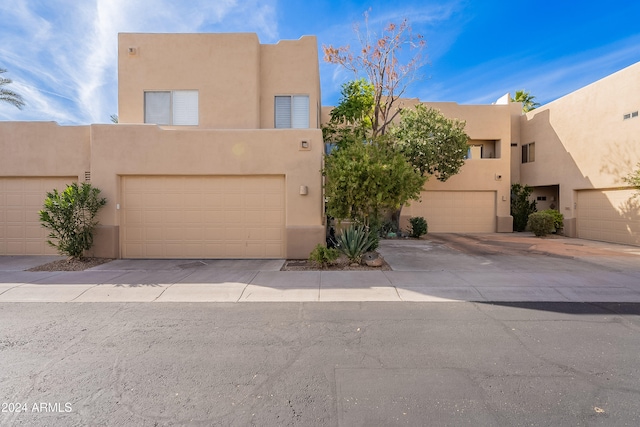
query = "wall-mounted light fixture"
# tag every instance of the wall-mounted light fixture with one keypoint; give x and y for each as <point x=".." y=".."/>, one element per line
<point x="305" y="144"/>
<point x="132" y="51"/>
<point x="304" y="190"/>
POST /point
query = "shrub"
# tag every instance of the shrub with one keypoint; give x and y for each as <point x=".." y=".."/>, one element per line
<point x="323" y="256"/>
<point x="70" y="215"/>
<point x="417" y="226"/>
<point x="355" y="241"/>
<point x="558" y="218"/>
<point x="521" y="207"/>
<point x="540" y="223"/>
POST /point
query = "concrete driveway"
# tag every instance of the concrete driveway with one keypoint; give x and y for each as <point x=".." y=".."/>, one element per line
<point x="444" y="267"/>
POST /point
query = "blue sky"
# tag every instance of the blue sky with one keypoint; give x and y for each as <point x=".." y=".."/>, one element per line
<point x="61" y="54"/>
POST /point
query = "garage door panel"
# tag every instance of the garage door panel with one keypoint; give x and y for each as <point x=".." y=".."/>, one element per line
<point x="213" y="234"/>
<point x="274" y="234"/>
<point x="456" y="211"/>
<point x="21" y="232"/>
<point x="206" y="216"/>
<point x="152" y="233"/>
<point x="272" y="250"/>
<point x="273" y="203"/>
<point x="212" y="201"/>
<point x="608" y="215"/>
<point x="232" y="218"/>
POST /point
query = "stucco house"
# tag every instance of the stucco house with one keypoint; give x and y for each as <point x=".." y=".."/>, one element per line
<point x="218" y="153"/>
<point x="575" y="151"/>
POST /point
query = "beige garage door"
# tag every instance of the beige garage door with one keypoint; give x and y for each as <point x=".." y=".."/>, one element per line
<point x="456" y="211"/>
<point x="20" y="200"/>
<point x="203" y="217"/>
<point x="609" y="216"/>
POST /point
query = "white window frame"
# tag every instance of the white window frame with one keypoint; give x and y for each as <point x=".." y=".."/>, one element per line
<point x="291" y="112"/>
<point x="183" y="108"/>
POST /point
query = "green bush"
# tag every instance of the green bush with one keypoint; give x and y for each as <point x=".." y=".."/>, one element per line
<point x="355" y="241"/>
<point x="323" y="256"/>
<point x="540" y="223"/>
<point x="417" y="226"/>
<point x="521" y="207"/>
<point x="70" y="215"/>
<point x="558" y="218"/>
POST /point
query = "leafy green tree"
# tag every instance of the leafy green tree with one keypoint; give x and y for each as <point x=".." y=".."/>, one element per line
<point x="431" y="142"/>
<point x="7" y="95"/>
<point x="362" y="180"/>
<point x="351" y="118"/>
<point x="521" y="206"/>
<point x="527" y="100"/>
<point x="70" y="217"/>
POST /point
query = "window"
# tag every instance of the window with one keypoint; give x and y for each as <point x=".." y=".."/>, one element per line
<point x="630" y="115"/>
<point x="178" y="107"/>
<point x="529" y="153"/>
<point x="292" y="112"/>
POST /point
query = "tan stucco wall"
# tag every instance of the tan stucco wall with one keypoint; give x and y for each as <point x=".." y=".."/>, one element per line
<point x="289" y="68"/>
<point x="111" y="151"/>
<point x="582" y="141"/>
<point x="236" y="77"/>
<point x="43" y="149"/>
<point x="150" y="150"/>
<point x="224" y="68"/>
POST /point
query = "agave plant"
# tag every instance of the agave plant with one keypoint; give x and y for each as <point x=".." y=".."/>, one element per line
<point x="355" y="241"/>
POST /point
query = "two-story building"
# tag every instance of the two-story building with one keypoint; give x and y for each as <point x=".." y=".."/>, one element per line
<point x="575" y="152"/>
<point x="218" y="154"/>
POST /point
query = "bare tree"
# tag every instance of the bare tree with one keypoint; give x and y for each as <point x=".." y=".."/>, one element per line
<point x="380" y="59"/>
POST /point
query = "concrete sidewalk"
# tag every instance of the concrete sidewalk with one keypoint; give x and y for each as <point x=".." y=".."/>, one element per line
<point x="423" y="270"/>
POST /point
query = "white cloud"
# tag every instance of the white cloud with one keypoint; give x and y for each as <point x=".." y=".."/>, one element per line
<point x="67" y="49"/>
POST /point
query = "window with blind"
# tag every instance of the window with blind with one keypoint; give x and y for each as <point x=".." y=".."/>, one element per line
<point x="177" y="107"/>
<point x="292" y="112"/>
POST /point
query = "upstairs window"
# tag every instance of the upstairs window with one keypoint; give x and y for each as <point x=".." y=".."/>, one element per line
<point x="529" y="153"/>
<point x="177" y="107"/>
<point x="292" y="112"/>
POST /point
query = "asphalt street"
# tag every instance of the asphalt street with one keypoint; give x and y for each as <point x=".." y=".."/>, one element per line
<point x="317" y="364"/>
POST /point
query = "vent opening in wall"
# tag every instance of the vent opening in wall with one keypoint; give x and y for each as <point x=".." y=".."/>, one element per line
<point x="630" y="115"/>
<point x="87" y="176"/>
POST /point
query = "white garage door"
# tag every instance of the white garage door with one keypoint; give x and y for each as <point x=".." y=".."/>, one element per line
<point x="609" y="216"/>
<point x="456" y="211"/>
<point x="203" y="217"/>
<point x="20" y="200"/>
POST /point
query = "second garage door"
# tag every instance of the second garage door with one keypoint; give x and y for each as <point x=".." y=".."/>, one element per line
<point x="203" y="217"/>
<point x="608" y="215"/>
<point x="456" y="211"/>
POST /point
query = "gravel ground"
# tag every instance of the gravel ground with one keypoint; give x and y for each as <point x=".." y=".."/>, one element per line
<point x="71" y="264"/>
<point x="341" y="264"/>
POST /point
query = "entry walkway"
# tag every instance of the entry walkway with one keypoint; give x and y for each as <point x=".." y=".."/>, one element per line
<point x="491" y="267"/>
